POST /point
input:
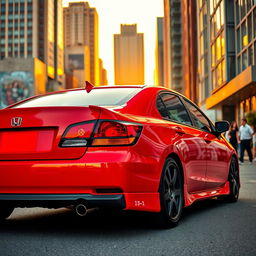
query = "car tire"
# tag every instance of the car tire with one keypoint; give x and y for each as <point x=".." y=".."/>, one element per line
<point x="5" y="212"/>
<point x="234" y="183"/>
<point x="171" y="194"/>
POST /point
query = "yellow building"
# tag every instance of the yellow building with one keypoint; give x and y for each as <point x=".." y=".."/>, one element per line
<point x="81" y="29"/>
<point x="129" y="56"/>
<point x="103" y="73"/>
<point x="77" y="64"/>
<point x="21" y="78"/>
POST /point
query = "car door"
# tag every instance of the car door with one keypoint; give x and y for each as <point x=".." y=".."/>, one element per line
<point x="190" y="144"/>
<point x="216" y="153"/>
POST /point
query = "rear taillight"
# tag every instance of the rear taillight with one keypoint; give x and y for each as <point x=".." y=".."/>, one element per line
<point x="107" y="133"/>
<point x="77" y="135"/>
<point x="113" y="133"/>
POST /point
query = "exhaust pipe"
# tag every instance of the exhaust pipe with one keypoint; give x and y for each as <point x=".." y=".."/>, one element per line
<point x="81" y="210"/>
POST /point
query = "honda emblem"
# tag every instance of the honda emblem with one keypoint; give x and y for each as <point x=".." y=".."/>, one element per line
<point x="16" y="121"/>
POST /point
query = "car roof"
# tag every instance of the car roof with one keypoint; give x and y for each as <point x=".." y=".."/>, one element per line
<point x="142" y="87"/>
<point x="145" y="86"/>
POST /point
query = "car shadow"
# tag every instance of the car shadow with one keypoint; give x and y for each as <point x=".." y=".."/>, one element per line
<point x="64" y="222"/>
<point x="213" y="207"/>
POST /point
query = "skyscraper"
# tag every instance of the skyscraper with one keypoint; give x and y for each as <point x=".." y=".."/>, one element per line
<point x="189" y="49"/>
<point x="32" y="31"/>
<point x="173" y="45"/>
<point x="129" y="56"/>
<point x="159" y="71"/>
<point x="180" y="47"/>
<point x="28" y="29"/>
<point x="103" y="73"/>
<point x="81" y="29"/>
<point x="227" y="57"/>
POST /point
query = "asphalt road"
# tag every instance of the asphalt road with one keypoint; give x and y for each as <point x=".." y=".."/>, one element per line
<point x="207" y="228"/>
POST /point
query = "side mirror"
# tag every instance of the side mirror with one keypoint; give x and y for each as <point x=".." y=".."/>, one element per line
<point x="221" y="126"/>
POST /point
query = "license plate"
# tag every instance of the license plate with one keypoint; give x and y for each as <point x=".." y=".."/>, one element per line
<point x="26" y="141"/>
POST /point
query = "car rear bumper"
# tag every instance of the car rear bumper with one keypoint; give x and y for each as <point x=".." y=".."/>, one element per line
<point x="128" y="201"/>
<point x="62" y="200"/>
<point x="115" y="177"/>
<point x="122" y="170"/>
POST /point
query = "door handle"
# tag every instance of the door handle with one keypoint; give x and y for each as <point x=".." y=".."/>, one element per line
<point x="179" y="130"/>
<point x="207" y="140"/>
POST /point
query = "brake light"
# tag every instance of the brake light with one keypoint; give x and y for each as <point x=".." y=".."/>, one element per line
<point x="77" y="135"/>
<point x="113" y="133"/>
<point x="107" y="133"/>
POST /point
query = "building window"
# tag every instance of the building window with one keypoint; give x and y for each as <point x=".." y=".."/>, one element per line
<point x="238" y="65"/>
<point x="203" y="50"/>
<point x="244" y="60"/>
<point x="254" y="21"/>
<point x="254" y="53"/>
<point x="218" y="44"/>
<point x="250" y="56"/>
<point x="245" y="34"/>
<point x="249" y="23"/>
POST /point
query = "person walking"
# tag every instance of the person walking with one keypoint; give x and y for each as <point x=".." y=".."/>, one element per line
<point x="254" y="143"/>
<point x="234" y="135"/>
<point x="245" y="132"/>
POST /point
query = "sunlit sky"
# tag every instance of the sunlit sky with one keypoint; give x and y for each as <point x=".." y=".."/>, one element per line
<point x="111" y="14"/>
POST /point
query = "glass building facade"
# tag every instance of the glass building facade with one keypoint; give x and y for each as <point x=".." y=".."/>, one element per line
<point x="28" y="30"/>
<point x="245" y="22"/>
<point x="245" y="31"/>
<point x="173" y="45"/>
<point x="16" y="40"/>
<point x="204" y="74"/>
<point x="227" y="57"/>
<point x="176" y="45"/>
<point x="218" y="56"/>
<point x="180" y="47"/>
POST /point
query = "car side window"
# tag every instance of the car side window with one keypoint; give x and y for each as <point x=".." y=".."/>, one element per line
<point x="200" y="121"/>
<point x="174" y="109"/>
<point x="161" y="107"/>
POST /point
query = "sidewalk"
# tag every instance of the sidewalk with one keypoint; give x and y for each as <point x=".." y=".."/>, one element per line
<point x="248" y="180"/>
<point x="248" y="167"/>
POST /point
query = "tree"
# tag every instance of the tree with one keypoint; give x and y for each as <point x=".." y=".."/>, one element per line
<point x="251" y="118"/>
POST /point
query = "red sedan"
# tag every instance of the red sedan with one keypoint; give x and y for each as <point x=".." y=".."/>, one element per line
<point x="128" y="147"/>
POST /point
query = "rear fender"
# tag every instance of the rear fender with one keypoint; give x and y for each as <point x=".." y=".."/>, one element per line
<point x="168" y="152"/>
<point x="109" y="114"/>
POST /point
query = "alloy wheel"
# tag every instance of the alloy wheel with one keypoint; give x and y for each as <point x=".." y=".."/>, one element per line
<point x="172" y="190"/>
<point x="171" y="194"/>
<point x="234" y="181"/>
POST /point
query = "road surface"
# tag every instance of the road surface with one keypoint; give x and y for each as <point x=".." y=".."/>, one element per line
<point x="207" y="228"/>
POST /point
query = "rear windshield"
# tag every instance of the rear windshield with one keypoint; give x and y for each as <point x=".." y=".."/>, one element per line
<point x="98" y="97"/>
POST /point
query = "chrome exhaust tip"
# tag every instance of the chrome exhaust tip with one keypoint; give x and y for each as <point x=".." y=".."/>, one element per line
<point x="81" y="210"/>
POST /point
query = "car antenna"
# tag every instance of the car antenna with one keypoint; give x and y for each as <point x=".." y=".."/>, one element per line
<point x="88" y="86"/>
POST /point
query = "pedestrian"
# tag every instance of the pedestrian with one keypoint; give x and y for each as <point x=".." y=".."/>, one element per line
<point x="226" y="135"/>
<point x="254" y="143"/>
<point x="245" y="132"/>
<point x="234" y="135"/>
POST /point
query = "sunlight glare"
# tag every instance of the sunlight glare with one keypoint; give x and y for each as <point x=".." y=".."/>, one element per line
<point x="112" y="13"/>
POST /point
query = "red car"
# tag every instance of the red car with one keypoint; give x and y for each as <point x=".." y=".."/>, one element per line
<point x="127" y="147"/>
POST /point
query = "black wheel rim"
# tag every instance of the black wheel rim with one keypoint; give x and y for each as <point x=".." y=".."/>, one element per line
<point x="172" y="191"/>
<point x="234" y="179"/>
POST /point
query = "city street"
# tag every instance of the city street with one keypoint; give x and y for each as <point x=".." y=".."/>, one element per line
<point x="102" y="103"/>
<point x="207" y="228"/>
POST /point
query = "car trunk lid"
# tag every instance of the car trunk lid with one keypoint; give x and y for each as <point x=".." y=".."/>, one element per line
<point x="35" y="133"/>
